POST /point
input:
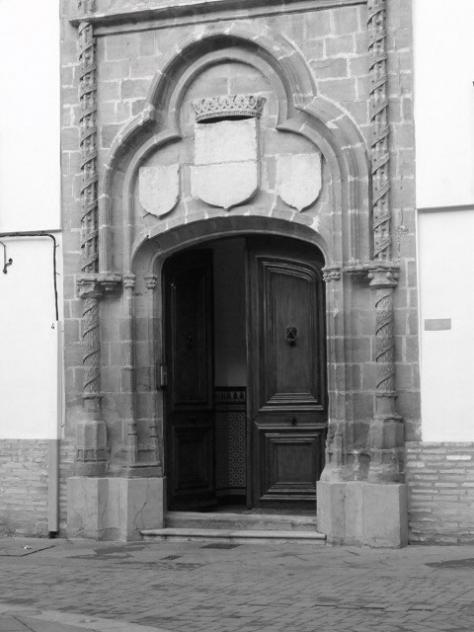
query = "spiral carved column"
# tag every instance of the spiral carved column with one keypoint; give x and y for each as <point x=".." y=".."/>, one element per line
<point x="91" y="433"/>
<point x="378" y="100"/>
<point x="386" y="432"/>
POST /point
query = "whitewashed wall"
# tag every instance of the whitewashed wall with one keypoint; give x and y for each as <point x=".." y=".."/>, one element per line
<point x="447" y="291"/>
<point x="444" y="117"/>
<point x="29" y="200"/>
<point x="444" y="102"/>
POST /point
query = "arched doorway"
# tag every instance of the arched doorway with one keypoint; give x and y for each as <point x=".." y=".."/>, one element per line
<point x="244" y="373"/>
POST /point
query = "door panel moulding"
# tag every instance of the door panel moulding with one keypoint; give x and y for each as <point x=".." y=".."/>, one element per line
<point x="194" y="11"/>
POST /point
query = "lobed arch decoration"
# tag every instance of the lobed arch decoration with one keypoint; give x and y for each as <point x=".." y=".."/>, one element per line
<point x="300" y="111"/>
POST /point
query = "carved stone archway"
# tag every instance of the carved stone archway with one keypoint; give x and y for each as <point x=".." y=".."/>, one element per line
<point x="364" y="439"/>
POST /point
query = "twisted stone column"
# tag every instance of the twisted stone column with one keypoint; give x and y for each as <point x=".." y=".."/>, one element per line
<point x="91" y="432"/>
<point x="386" y="432"/>
<point x="378" y="101"/>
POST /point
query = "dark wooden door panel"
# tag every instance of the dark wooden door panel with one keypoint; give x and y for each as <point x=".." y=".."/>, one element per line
<point x="287" y="370"/>
<point x="290" y="463"/>
<point x="190" y="369"/>
<point x="289" y="345"/>
<point x="189" y="393"/>
<point x="192" y="475"/>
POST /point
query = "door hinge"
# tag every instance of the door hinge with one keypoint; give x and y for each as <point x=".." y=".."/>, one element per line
<point x="163" y="380"/>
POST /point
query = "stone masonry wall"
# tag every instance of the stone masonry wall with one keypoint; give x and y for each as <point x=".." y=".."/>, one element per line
<point x="440" y="480"/>
<point x="66" y="469"/>
<point x="334" y="42"/>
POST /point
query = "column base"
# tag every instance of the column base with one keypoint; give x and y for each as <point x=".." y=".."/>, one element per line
<point x="361" y="513"/>
<point x="113" y="508"/>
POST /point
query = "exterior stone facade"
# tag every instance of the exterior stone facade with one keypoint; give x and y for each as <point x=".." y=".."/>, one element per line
<point x="334" y="80"/>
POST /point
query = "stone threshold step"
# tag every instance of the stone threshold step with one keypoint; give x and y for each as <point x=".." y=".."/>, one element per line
<point x="234" y="521"/>
<point x="238" y="536"/>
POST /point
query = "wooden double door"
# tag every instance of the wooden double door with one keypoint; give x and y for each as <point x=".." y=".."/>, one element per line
<point x="286" y="375"/>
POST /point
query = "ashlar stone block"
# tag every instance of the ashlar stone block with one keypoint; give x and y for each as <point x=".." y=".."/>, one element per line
<point x="113" y="508"/>
<point x="357" y="512"/>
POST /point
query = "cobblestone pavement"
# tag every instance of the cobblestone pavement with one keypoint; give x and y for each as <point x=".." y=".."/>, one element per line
<point x="197" y="587"/>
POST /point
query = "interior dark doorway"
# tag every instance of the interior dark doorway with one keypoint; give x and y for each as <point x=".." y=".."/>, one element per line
<point x="245" y="398"/>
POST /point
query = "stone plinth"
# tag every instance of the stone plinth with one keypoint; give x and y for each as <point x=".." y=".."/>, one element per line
<point x="113" y="508"/>
<point x="356" y="512"/>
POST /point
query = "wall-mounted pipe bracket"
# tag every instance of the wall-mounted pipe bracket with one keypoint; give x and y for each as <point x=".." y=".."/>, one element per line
<point x="6" y="262"/>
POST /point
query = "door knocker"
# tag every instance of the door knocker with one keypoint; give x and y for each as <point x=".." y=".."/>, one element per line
<point x="291" y="335"/>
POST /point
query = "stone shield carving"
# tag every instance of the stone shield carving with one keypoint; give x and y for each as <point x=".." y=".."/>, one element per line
<point x="158" y="188"/>
<point x="225" y="171"/>
<point x="299" y="179"/>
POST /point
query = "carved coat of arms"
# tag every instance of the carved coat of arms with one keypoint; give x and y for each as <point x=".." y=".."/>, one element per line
<point x="226" y="169"/>
<point x="158" y="188"/>
<point x="299" y="179"/>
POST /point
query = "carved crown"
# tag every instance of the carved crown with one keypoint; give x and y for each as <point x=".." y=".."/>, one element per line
<point x="228" y="106"/>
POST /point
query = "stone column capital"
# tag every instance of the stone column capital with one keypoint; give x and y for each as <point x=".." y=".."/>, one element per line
<point x="129" y="281"/>
<point x="97" y="285"/>
<point x="151" y="281"/>
<point x="383" y="276"/>
<point x="332" y="273"/>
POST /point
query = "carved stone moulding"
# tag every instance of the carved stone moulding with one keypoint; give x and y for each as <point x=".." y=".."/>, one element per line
<point x="383" y="276"/>
<point x="228" y="106"/>
<point x="151" y="281"/>
<point x="128" y="281"/>
<point x="90" y="454"/>
<point x="332" y="273"/>
<point x="96" y="285"/>
<point x="378" y="273"/>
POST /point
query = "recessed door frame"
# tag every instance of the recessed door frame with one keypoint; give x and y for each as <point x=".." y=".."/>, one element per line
<point x="251" y="465"/>
<point x="148" y="312"/>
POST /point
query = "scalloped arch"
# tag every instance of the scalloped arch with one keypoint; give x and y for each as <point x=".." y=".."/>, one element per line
<point x="301" y="111"/>
<point x="277" y="51"/>
<point x="297" y="83"/>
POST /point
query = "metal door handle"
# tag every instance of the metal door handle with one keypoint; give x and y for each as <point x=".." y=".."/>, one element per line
<point x="291" y="335"/>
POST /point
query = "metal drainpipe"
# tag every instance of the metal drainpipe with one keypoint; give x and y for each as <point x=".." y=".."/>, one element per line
<point x="53" y="444"/>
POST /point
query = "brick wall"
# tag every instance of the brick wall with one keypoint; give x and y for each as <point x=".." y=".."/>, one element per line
<point x="66" y="469"/>
<point x="23" y="487"/>
<point x="440" y="479"/>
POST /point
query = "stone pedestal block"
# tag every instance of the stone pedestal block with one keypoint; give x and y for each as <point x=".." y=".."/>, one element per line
<point x="356" y="512"/>
<point x="113" y="508"/>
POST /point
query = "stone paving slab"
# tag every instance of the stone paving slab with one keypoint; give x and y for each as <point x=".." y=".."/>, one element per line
<point x="12" y="620"/>
<point x="190" y="587"/>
